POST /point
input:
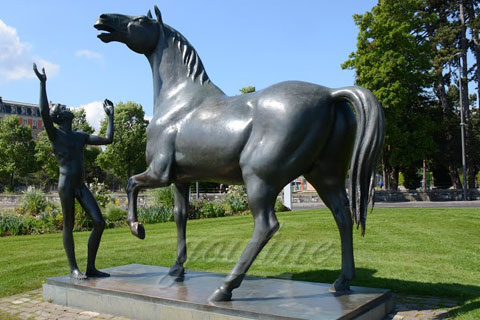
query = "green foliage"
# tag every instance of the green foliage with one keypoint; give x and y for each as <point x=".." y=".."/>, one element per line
<point x="47" y="164"/>
<point x="34" y="201"/>
<point x="82" y="220"/>
<point x="279" y="207"/>
<point x="236" y="198"/>
<point x="126" y="155"/>
<point x="247" y="89"/>
<point x="209" y="209"/>
<point x="80" y="122"/>
<point x="114" y="216"/>
<point x="307" y="247"/>
<point x="155" y="214"/>
<point x="100" y="192"/>
<point x="163" y="197"/>
<point x="393" y="59"/>
<point x="16" y="150"/>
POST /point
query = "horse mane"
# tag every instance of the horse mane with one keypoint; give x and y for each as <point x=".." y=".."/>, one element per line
<point x="190" y="58"/>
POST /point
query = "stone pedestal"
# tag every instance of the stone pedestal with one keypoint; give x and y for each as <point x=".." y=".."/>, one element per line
<point x="148" y="292"/>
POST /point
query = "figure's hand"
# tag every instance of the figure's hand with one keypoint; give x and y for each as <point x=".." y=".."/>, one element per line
<point x="108" y="107"/>
<point x="41" y="76"/>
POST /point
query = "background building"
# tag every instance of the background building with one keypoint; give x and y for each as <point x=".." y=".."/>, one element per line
<point x="29" y="114"/>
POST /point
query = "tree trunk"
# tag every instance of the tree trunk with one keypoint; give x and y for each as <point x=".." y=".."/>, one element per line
<point x="392" y="178"/>
<point x="11" y="181"/>
<point x="452" y="171"/>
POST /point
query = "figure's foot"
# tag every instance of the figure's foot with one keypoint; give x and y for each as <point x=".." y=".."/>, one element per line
<point x="76" y="274"/>
<point x="220" y="295"/>
<point x="341" y="285"/>
<point x="176" y="270"/>
<point x="94" y="273"/>
<point x="137" y="229"/>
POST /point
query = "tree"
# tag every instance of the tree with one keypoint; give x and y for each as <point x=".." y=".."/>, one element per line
<point x="394" y="59"/>
<point x="48" y="166"/>
<point x="126" y="155"/>
<point x="247" y="89"/>
<point x="80" y="122"/>
<point x="92" y="169"/>
<point x="16" y="150"/>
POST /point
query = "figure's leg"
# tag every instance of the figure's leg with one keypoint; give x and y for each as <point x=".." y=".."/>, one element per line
<point x="181" y="215"/>
<point x="147" y="179"/>
<point x="67" y="199"/>
<point x="261" y="198"/>
<point x="89" y="204"/>
<point x="332" y="191"/>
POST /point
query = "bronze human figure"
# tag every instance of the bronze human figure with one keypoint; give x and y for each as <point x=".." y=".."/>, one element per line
<point x="68" y="146"/>
<point x="264" y="139"/>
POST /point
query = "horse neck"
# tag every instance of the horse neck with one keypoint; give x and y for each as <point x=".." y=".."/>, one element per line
<point x="170" y="81"/>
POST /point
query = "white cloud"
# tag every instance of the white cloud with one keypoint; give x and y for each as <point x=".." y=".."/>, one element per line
<point x="95" y="113"/>
<point x="90" y="55"/>
<point x="149" y="118"/>
<point x="16" y="57"/>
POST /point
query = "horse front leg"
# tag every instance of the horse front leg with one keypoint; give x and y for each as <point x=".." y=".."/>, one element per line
<point x="137" y="182"/>
<point x="180" y="212"/>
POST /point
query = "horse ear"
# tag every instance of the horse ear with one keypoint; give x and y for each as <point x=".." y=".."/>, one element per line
<point x="149" y="14"/>
<point x="159" y="15"/>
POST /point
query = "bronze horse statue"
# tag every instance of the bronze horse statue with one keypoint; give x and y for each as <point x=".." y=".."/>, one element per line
<point x="263" y="139"/>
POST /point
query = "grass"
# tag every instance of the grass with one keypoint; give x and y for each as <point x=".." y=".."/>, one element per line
<point x="432" y="252"/>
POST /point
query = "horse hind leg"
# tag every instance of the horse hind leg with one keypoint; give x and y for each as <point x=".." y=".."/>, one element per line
<point x="180" y="213"/>
<point x="331" y="190"/>
<point x="328" y="178"/>
<point x="147" y="179"/>
<point x="261" y="198"/>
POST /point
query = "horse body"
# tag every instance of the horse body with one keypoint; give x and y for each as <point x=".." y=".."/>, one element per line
<point x="264" y="139"/>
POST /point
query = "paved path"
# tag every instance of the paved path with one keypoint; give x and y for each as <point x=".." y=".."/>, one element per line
<point x="30" y="305"/>
<point x="406" y="204"/>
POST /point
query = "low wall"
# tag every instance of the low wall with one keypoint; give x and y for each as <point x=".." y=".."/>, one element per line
<point x="11" y="201"/>
<point x="402" y="196"/>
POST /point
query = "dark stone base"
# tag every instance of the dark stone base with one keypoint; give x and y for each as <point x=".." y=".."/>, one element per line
<point x="148" y="292"/>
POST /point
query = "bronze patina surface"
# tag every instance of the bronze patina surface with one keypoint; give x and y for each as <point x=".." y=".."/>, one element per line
<point x="263" y="139"/>
<point x="146" y="287"/>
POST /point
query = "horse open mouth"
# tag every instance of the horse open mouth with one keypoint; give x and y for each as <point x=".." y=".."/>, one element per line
<point x="104" y="36"/>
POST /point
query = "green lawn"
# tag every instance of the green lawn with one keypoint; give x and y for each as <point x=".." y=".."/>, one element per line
<point x="433" y="252"/>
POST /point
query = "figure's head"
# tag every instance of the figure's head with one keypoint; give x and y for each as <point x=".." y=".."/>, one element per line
<point x="140" y="33"/>
<point x="60" y="113"/>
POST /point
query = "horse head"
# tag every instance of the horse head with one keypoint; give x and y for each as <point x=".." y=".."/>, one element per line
<point x="139" y="33"/>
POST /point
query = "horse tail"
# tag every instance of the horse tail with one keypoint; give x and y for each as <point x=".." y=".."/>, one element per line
<point x="368" y="143"/>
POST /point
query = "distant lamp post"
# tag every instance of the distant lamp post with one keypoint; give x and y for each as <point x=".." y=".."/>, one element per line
<point x="462" y="128"/>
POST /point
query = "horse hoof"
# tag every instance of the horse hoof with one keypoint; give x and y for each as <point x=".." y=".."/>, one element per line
<point x="220" y="295"/>
<point x="176" y="270"/>
<point x="137" y="230"/>
<point x="340" y="286"/>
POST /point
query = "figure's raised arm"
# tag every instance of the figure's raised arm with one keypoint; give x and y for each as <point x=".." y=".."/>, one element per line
<point x="44" y="109"/>
<point x="97" y="140"/>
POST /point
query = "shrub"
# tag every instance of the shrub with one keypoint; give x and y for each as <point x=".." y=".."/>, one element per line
<point x="155" y="214"/>
<point x="279" y="207"/>
<point x="114" y="216"/>
<point x="237" y="199"/>
<point x="212" y="209"/>
<point x="82" y="221"/>
<point x="163" y="197"/>
<point x="16" y="225"/>
<point x="34" y="201"/>
<point x="100" y="192"/>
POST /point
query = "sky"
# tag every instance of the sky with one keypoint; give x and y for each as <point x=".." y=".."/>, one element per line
<point x="241" y="43"/>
